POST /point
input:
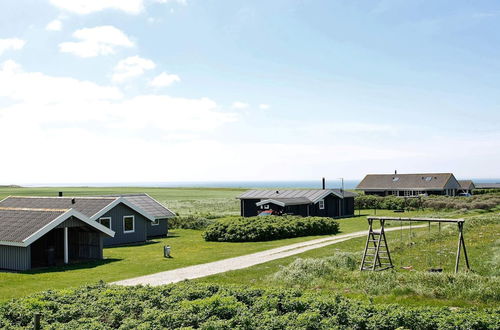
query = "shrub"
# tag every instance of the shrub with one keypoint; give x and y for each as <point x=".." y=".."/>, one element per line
<point x="267" y="228"/>
<point x="189" y="222"/>
<point x="189" y="305"/>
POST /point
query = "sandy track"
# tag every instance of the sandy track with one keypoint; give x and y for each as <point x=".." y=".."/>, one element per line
<point x="221" y="266"/>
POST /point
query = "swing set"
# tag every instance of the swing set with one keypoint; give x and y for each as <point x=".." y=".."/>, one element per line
<point x="377" y="257"/>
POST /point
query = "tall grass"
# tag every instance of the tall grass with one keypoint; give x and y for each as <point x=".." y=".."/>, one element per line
<point x="340" y="270"/>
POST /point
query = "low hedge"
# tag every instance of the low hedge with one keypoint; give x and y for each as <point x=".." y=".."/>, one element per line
<point x="203" y="306"/>
<point x="267" y="228"/>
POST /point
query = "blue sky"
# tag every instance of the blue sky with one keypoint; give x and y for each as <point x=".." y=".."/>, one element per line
<point x="188" y="90"/>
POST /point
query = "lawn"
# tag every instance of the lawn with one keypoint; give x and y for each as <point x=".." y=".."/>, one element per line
<point x="188" y="247"/>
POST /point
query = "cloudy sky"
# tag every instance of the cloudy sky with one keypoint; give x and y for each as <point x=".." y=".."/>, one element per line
<point x="190" y="90"/>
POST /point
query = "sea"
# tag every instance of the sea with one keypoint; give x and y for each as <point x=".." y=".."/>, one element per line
<point x="307" y="184"/>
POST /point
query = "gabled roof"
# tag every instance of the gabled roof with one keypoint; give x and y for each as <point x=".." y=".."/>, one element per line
<point x="88" y="206"/>
<point x="91" y="207"/>
<point x="423" y="181"/>
<point x="22" y="226"/>
<point x="313" y="195"/>
<point x="148" y="204"/>
<point x="466" y="184"/>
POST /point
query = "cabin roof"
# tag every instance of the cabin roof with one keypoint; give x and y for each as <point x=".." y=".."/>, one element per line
<point x="22" y="226"/>
<point x="148" y="204"/>
<point x="312" y="195"/>
<point x="424" y="181"/>
<point x="88" y="206"/>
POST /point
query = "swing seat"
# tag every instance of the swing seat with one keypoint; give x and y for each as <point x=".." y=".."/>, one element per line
<point x="407" y="267"/>
<point x="435" y="270"/>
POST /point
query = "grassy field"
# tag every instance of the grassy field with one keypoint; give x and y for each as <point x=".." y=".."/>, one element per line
<point x="421" y="250"/>
<point x="188" y="247"/>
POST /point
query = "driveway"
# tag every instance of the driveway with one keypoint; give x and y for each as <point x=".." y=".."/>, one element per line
<point x="221" y="266"/>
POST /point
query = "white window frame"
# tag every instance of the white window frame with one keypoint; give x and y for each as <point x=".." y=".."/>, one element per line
<point x="107" y="218"/>
<point x="133" y="224"/>
<point x="266" y="206"/>
<point x="321" y="204"/>
<point x="155" y="222"/>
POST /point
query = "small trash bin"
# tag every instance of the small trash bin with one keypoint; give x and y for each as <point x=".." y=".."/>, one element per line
<point x="166" y="251"/>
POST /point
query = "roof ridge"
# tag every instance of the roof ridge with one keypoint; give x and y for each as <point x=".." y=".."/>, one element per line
<point x="66" y="197"/>
<point x="32" y="209"/>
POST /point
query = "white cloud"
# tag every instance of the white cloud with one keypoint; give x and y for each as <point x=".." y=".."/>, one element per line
<point x="11" y="44"/>
<point x="90" y="6"/>
<point x="164" y="80"/>
<point x="240" y="105"/>
<point x="264" y="106"/>
<point x="55" y="25"/>
<point x="35" y="87"/>
<point x="131" y="67"/>
<point x="100" y="40"/>
<point x="50" y="116"/>
<point x="181" y="2"/>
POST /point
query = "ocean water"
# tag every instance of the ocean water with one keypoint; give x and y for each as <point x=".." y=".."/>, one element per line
<point x="309" y="184"/>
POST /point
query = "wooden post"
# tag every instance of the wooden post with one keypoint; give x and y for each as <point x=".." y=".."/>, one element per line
<point x="459" y="247"/>
<point x="36" y="322"/>
<point x="66" y="252"/>
<point x="462" y="242"/>
<point x="370" y="222"/>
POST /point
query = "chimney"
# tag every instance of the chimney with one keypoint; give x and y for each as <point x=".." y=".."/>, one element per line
<point x="73" y="201"/>
<point x="395" y="172"/>
<point x="323" y="181"/>
<point x="60" y="194"/>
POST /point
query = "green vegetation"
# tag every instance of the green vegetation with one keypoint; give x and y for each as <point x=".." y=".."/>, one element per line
<point x="267" y="228"/>
<point x="188" y="305"/>
<point x="188" y="248"/>
<point x="334" y="269"/>
<point x="184" y="201"/>
<point x="476" y="202"/>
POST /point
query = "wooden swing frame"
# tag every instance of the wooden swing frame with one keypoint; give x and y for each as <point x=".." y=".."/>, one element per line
<point x="377" y="265"/>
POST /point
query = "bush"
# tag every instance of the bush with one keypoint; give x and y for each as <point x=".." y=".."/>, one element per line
<point x="267" y="228"/>
<point x="189" y="305"/>
<point x="189" y="222"/>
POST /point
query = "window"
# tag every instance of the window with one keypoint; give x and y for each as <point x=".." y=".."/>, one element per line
<point x="155" y="222"/>
<point x="321" y="204"/>
<point x="106" y="222"/>
<point x="395" y="179"/>
<point x="428" y="178"/>
<point x="266" y="207"/>
<point x="128" y="224"/>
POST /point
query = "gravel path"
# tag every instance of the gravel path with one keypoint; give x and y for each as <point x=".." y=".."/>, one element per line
<point x="221" y="266"/>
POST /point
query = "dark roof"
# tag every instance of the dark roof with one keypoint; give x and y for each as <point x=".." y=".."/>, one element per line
<point x="313" y="195"/>
<point x="285" y="201"/>
<point x="148" y="204"/>
<point x="16" y="225"/>
<point x="487" y="185"/>
<point x="88" y="206"/>
<point x="466" y="184"/>
<point x="423" y="181"/>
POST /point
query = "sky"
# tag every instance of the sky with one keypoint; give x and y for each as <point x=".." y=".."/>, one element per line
<point x="212" y="90"/>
